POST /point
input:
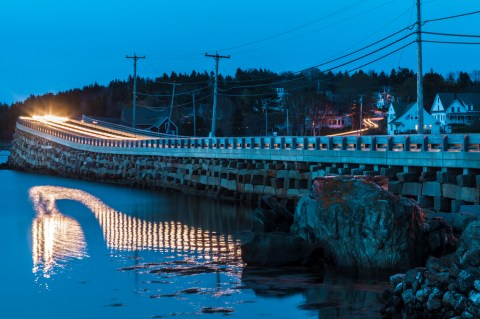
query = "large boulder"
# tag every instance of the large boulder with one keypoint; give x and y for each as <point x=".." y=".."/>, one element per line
<point x="362" y="226"/>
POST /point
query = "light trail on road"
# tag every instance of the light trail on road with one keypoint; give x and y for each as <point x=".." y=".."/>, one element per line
<point x="369" y="123"/>
<point x="69" y="126"/>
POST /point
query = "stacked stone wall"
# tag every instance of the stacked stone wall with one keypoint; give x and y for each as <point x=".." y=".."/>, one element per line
<point x="233" y="179"/>
<point x="437" y="189"/>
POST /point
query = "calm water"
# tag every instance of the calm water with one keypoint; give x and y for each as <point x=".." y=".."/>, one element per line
<point x="72" y="249"/>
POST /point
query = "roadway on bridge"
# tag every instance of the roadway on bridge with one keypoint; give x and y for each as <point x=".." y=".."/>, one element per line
<point x="81" y="129"/>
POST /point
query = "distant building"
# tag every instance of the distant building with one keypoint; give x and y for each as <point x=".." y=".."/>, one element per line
<point x="452" y="109"/>
<point x="331" y="119"/>
<point x="384" y="99"/>
<point x="402" y="118"/>
<point x="151" y="119"/>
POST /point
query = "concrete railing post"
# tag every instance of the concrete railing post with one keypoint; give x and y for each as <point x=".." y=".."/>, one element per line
<point x="406" y="144"/>
<point x="465" y="144"/>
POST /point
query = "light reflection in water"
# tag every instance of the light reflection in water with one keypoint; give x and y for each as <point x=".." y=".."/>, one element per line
<point x="58" y="238"/>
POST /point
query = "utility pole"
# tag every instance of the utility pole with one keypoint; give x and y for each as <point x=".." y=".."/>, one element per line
<point x="419" y="70"/>
<point x="360" y="115"/>
<point x="214" y="113"/>
<point x="194" y="115"/>
<point x="135" y="58"/>
<point x="288" y="125"/>
<point x="171" y="107"/>
<point x="265" y="105"/>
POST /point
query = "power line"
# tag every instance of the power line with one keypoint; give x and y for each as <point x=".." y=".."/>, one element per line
<point x="453" y="34"/>
<point x="341" y="57"/>
<point x="302" y="26"/>
<point x="337" y="66"/>
<point x="363" y="56"/>
<point x="247" y="95"/>
<point x="336" y="59"/>
<point x="409" y="21"/>
<point x="154" y="108"/>
<point x="259" y="85"/>
<point x="322" y="28"/>
<point x="382" y="57"/>
<point x="450" y="42"/>
<point x="451" y="17"/>
<point x="177" y="94"/>
<point x="197" y="100"/>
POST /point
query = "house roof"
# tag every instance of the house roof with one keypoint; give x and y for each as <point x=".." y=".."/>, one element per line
<point x="146" y="116"/>
<point x="400" y="108"/>
<point x="463" y="98"/>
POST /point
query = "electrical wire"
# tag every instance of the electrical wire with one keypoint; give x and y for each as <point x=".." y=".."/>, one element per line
<point x="197" y="100"/>
<point x="339" y="58"/>
<point x="248" y="95"/>
<point x="302" y="26"/>
<point x="453" y="34"/>
<point x="382" y="28"/>
<point x="363" y="56"/>
<point x="409" y="22"/>
<point x="156" y="108"/>
<point x="259" y="85"/>
<point x="450" y="42"/>
<point x="450" y="17"/>
<point x="332" y="68"/>
<point x="383" y="56"/>
<point x="322" y="28"/>
<point x="176" y="94"/>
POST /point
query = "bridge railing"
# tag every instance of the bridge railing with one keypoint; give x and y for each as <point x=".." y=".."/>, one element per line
<point x="380" y="143"/>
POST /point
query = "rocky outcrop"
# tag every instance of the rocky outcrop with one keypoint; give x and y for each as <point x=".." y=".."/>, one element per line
<point x="447" y="287"/>
<point x="362" y="226"/>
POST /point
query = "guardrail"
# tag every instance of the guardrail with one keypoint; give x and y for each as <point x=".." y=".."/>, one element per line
<point x="378" y="143"/>
<point x="123" y="128"/>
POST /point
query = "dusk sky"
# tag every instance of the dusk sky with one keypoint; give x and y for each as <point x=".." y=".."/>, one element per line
<point x="53" y="45"/>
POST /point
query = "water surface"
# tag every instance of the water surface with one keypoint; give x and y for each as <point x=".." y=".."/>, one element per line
<point x="74" y="249"/>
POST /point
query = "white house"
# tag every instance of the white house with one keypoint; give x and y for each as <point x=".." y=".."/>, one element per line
<point x="452" y="109"/>
<point x="402" y="118"/>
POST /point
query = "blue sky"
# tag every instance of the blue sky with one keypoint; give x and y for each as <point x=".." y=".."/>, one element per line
<point x="53" y="45"/>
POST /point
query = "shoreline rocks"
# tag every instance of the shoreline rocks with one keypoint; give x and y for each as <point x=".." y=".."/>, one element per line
<point x="447" y="287"/>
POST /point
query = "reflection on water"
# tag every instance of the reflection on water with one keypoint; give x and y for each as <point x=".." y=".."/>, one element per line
<point x="58" y="238"/>
<point x="4" y="156"/>
<point x="55" y="240"/>
<point x="331" y="294"/>
<point x="164" y="255"/>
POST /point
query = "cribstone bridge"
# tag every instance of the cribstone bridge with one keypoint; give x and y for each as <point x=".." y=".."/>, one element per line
<point x="441" y="172"/>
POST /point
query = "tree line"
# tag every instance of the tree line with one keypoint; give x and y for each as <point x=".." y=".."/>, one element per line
<point x="241" y="96"/>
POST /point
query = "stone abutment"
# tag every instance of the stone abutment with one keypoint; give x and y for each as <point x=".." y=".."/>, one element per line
<point x="435" y="188"/>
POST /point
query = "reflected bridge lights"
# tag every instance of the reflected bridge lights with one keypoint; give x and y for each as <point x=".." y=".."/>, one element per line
<point x="58" y="239"/>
